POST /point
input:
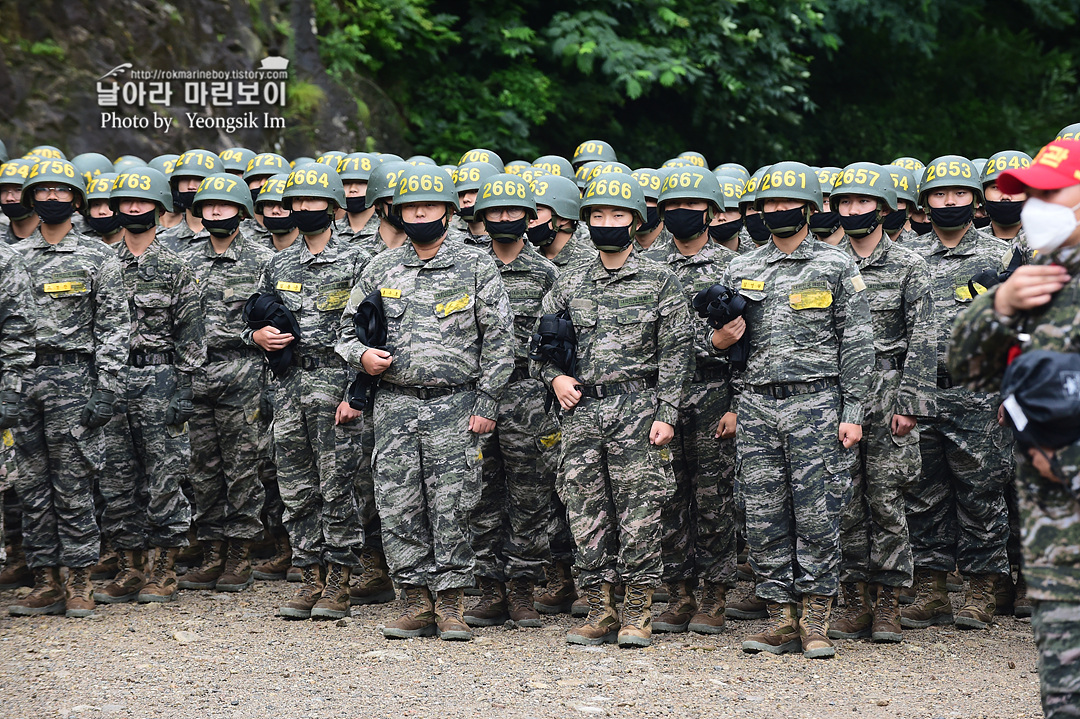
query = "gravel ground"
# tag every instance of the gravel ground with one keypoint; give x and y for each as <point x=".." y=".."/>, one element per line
<point x="227" y="655"/>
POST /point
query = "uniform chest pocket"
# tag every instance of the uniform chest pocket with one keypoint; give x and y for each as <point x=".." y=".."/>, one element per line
<point x="69" y="284"/>
<point x="450" y="303"/>
<point x="238" y="291"/>
<point x="153" y="302"/>
<point x="583" y="313"/>
<point x="885" y="299"/>
<point x="332" y="296"/>
<point x="636" y="314"/>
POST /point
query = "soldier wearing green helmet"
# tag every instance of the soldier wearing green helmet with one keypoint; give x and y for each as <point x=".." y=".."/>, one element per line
<point x="1070" y="132"/>
<point x="957" y="514"/>
<point x="467" y="181"/>
<point x="258" y="167"/>
<point x="826" y="224"/>
<point x="47" y="152"/>
<point x="810" y="353"/>
<point x="554" y="232"/>
<point x="22" y="219"/>
<point x="982" y="219"/>
<point x="554" y="165"/>
<point x="728" y="228"/>
<point x="81" y="342"/>
<point x="699" y="517"/>
<point x="126" y="162"/>
<point x="188" y="171"/>
<point x="482" y="155"/>
<point x="652" y="232"/>
<point x="896" y="223"/>
<point x="165" y="164"/>
<point x="920" y="217"/>
<point x="734" y="168"/>
<point x="755" y="226"/>
<point x="360" y="223"/>
<point x="633" y="348"/>
<point x="694" y="158"/>
<point x="102" y="221"/>
<point x="593" y="151"/>
<point x="449" y="356"/>
<point x="298" y="161"/>
<point x="509" y="524"/>
<point x="380" y="194"/>
<point x="516" y="167"/>
<point x="315" y="430"/>
<point x="91" y="164"/>
<point x="235" y="160"/>
<point x="1002" y="208"/>
<point x="277" y="220"/>
<point x="908" y="163"/>
<point x="874" y="537"/>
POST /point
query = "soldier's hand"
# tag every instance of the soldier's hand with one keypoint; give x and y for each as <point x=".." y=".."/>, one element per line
<point x="1029" y="286"/>
<point x="729" y="334"/>
<point x="181" y="407"/>
<point x="565" y="388"/>
<point x="481" y="425"/>
<point x="99" y="408"/>
<point x="727" y="425"/>
<point x="345" y="413"/>
<point x="850" y="434"/>
<point x="1041" y="462"/>
<point x="271" y="339"/>
<point x="902" y="424"/>
<point x="661" y="433"/>
<point x="9" y="409"/>
<point x="376" y="361"/>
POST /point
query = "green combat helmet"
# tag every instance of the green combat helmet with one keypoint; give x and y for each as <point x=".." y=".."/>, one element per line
<point x="614" y="190"/>
<point x="98" y="188"/>
<point x="389" y="157"/>
<point x="676" y="162"/>
<point x="271" y="190"/>
<point x="357" y="167"/>
<point x="383" y="181"/>
<point x="904" y="184"/>
<point x="265" y="164"/>
<point x="15" y="172"/>
<point x="420" y="160"/>
<point x="650" y="180"/>
<point x="164" y="163"/>
<point x="593" y="151"/>
<point x="827" y="177"/>
<point x="330" y="158"/>
<point x="469" y="177"/>
<point x="301" y="161"/>
<point x="951" y="171"/>
<point x="424" y="183"/>
<point x="51" y="171"/>
<point x="236" y="159"/>
<point x="604" y="168"/>
<point x="690" y="183"/>
<point x="91" y="165"/>
<point x="581" y="174"/>
<point x="47" y="152"/>
<point x="554" y="165"/>
<point x="1070" y="132"/>
<point x="733" y="186"/>
<point x="1001" y="161"/>
<point x="197" y="163"/>
<point x="733" y="168"/>
<point x="980" y="163"/>
<point x="908" y="163"/>
<point x="516" y="167"/>
<point x="145" y="183"/>
<point x="315" y="180"/>
<point x="750" y="191"/>
<point x="789" y="181"/>
<point x="126" y="162"/>
<point x="694" y="158"/>
<point x="481" y="155"/>
<point x="223" y="187"/>
<point x="505" y="190"/>
<point x="560" y="194"/>
<point x="869" y="179"/>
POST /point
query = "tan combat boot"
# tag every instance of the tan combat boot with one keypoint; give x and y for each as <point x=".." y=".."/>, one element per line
<point x="16" y="574"/>
<point x="980" y="602"/>
<point x="129" y="579"/>
<point x="932" y="604"/>
<point x="108" y="565"/>
<point x="47" y="596"/>
<point x="580" y="606"/>
<point x="782" y="634"/>
<point x="205" y="575"/>
<point x="814" y="627"/>
<point x="680" y="610"/>
<point x="294" y="574"/>
<point x="418" y="619"/>
<point x="79" y="599"/>
<point x="1004" y="595"/>
<point x="161" y="585"/>
<point x="519" y="600"/>
<point x="636" y="630"/>
<point x="334" y="601"/>
<point x="491" y="609"/>
<point x="560" y="594"/>
<point x="710" y="615"/>
<point x="192" y="555"/>
<point x="237" y="574"/>
<point x="886" y="616"/>
<point x="1022" y="606"/>
<point x="275" y="566"/>
<point x="307" y="594"/>
<point x="373" y="584"/>
<point x="954" y="582"/>
<point x="602" y="622"/>
<point x="858" y="616"/>
<point x="749" y="607"/>
<point x="449" y="623"/>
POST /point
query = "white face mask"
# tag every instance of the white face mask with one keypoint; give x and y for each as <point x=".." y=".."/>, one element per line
<point x="1046" y="224"/>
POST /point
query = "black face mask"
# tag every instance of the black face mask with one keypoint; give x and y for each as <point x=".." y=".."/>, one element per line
<point x="755" y="225"/>
<point x="279" y="225"/>
<point x="921" y="228"/>
<point x="222" y="228"/>
<point x="652" y="221"/>
<point x="356" y="205"/>
<point x="467" y="214"/>
<point x="725" y="230"/>
<point x="54" y="212"/>
<point x="860" y="225"/>
<point x="894" y="220"/>
<point x="785" y="223"/>
<point x="1005" y="214"/>
<point x="311" y="222"/>
<point x="611" y="239"/>
<point x="686" y="224"/>
<point x="16" y="210"/>
<point x="182" y="200"/>
<point x="393" y="220"/>
<point x="507" y="232"/>
<point x="104" y="226"/>
<point x="425" y="233"/>
<point x="824" y="223"/>
<point x="542" y="235"/>
<point x="254" y="195"/>
<point x="952" y="218"/>
<point x="981" y="222"/>
<point x="139" y="223"/>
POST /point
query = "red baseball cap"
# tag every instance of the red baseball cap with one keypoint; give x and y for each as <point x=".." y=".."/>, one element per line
<point x="1057" y="165"/>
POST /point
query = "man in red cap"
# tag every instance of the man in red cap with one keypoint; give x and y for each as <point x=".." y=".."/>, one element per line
<point x="1038" y="308"/>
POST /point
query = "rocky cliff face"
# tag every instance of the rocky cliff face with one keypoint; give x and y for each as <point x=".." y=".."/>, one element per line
<point x="53" y="53"/>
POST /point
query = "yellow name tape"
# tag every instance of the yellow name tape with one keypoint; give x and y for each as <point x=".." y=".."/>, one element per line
<point x="391" y="293"/>
<point x="753" y="285"/>
<point x="289" y="286"/>
<point x="59" y="286"/>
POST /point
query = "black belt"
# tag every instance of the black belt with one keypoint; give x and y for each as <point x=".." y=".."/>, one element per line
<point x="944" y="379"/>
<point x="889" y="363"/>
<point x="599" y="391"/>
<point x="712" y="374"/>
<point x="316" y="360"/>
<point x="425" y="393"/>
<point x="229" y="355"/>
<point x="784" y="391"/>
<point x="137" y="358"/>
<point x="55" y="359"/>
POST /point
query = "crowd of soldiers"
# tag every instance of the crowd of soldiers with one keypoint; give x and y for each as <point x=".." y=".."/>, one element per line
<point x="557" y="385"/>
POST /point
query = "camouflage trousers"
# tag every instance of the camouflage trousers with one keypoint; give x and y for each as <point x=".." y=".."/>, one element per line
<point x="956" y="508"/>
<point x="57" y="458"/>
<point x="427" y="469"/>
<point x="364" y="481"/>
<point x="509" y="524"/>
<point x="873" y="528"/>
<point x="225" y="434"/>
<point x="146" y="460"/>
<point x="795" y="481"/>
<point x="273" y="508"/>
<point x="614" y="484"/>
<point x="699" y="519"/>
<point x="311" y="454"/>
<point x="10" y="511"/>
<point x="1057" y="638"/>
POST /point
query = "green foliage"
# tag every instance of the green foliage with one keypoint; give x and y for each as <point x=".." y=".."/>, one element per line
<point x="303" y="98"/>
<point x="47" y="49"/>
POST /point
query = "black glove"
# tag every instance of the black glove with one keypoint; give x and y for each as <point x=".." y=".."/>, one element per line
<point x="9" y="409"/>
<point x="99" y="408"/>
<point x="181" y="406"/>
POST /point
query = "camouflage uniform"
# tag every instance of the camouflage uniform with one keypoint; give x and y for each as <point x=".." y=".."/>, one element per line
<point x="663" y="243"/>
<point x="450" y="326"/>
<point x="633" y="339"/>
<point x="82" y="342"/>
<point x="699" y="521"/>
<point x="573" y="252"/>
<point x="252" y="228"/>
<point x="368" y="232"/>
<point x="874" y="533"/>
<point x="956" y="509"/>
<point x="811" y="357"/>
<point x="178" y="237"/>
<point x="225" y="429"/>
<point x="312" y="454"/>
